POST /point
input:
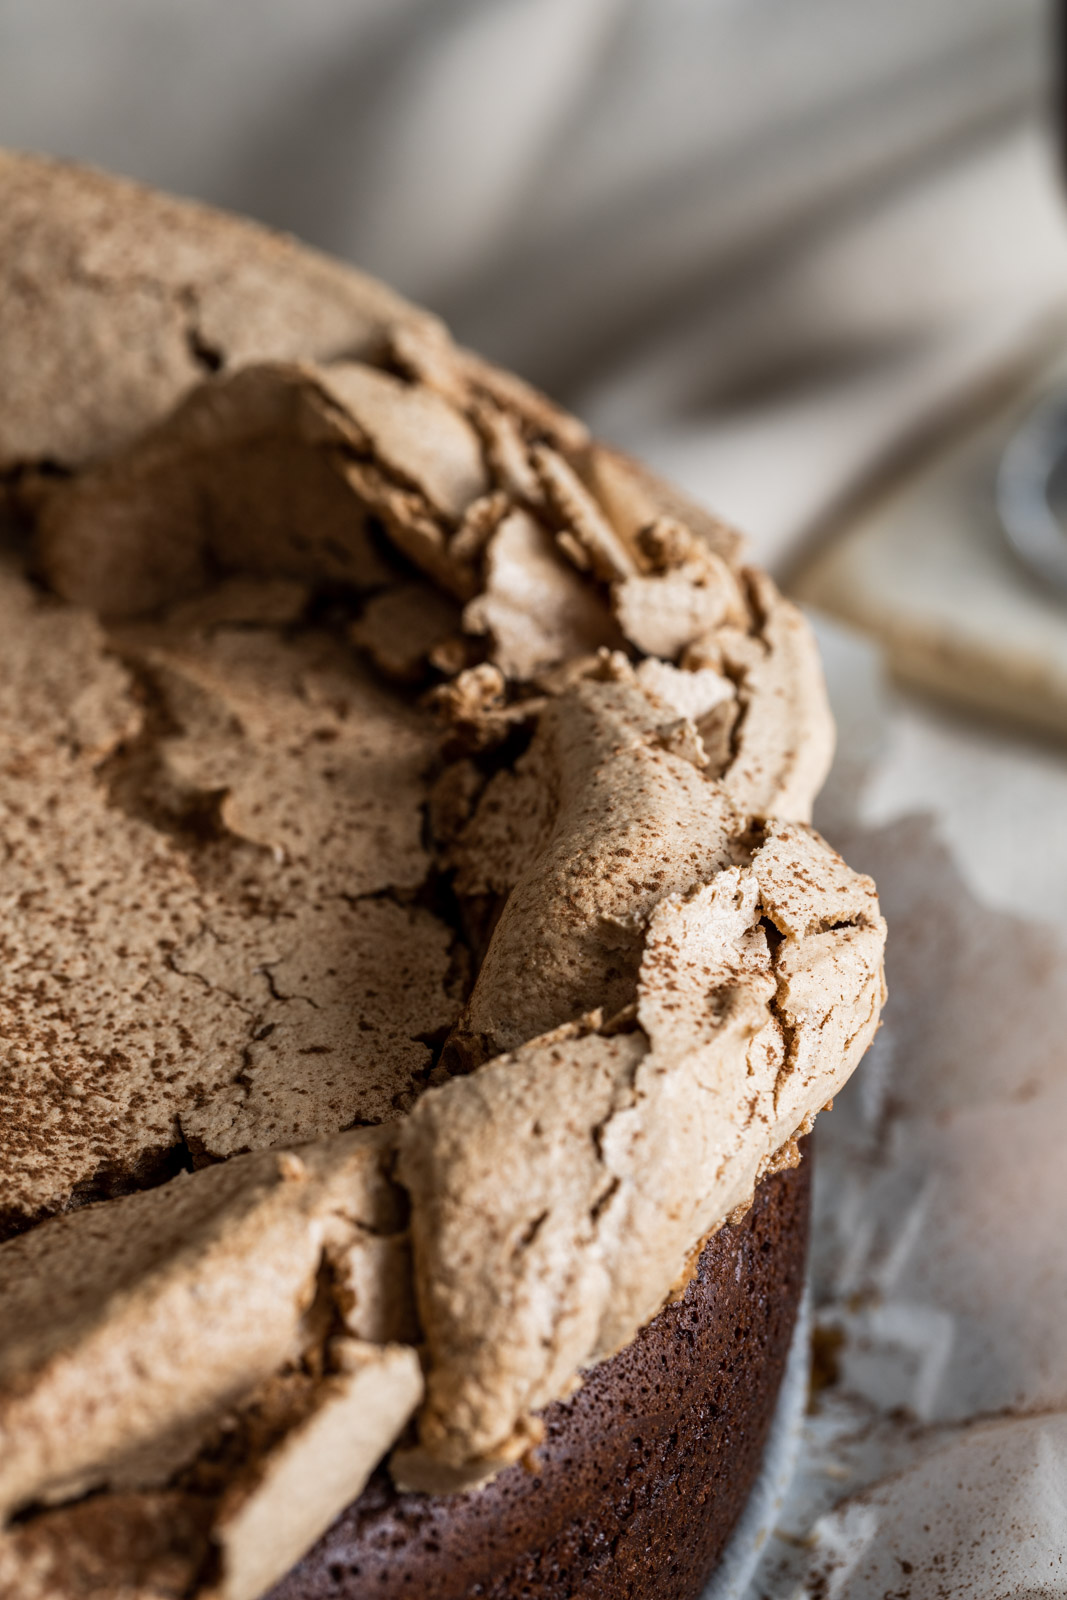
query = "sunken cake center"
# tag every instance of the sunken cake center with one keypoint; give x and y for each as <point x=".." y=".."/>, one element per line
<point x="216" y="870"/>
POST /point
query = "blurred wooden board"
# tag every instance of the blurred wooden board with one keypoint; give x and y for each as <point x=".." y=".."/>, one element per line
<point x="925" y="568"/>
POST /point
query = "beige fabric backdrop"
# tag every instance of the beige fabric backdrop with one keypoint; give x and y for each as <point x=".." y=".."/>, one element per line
<point x="721" y="226"/>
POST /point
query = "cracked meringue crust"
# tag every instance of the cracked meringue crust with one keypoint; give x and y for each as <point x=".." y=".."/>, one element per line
<point x="639" y="1477"/>
<point x="414" y="943"/>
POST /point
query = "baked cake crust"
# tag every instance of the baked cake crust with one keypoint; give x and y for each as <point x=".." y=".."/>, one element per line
<point x="406" y="814"/>
<point x="640" y="1477"/>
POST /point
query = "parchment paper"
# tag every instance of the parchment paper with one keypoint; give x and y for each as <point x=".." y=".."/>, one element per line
<point x="934" y="1456"/>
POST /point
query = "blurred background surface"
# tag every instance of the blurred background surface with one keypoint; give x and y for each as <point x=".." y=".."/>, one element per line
<point x="721" y="228"/>
<point x="810" y="258"/>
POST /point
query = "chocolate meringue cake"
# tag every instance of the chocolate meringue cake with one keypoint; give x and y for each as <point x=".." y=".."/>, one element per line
<point x="418" y="966"/>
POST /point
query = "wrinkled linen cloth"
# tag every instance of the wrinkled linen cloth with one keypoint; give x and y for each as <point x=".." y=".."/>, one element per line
<point x="726" y="231"/>
<point x="763" y="243"/>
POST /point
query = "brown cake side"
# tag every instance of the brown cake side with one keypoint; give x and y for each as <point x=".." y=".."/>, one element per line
<point x="642" y="1475"/>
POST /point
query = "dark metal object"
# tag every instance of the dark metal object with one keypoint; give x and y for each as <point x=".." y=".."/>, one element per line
<point x="1037" y="455"/>
<point x="1025" y="483"/>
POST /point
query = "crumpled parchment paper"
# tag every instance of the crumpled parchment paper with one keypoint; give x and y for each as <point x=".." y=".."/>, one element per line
<point x="934" y="1458"/>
